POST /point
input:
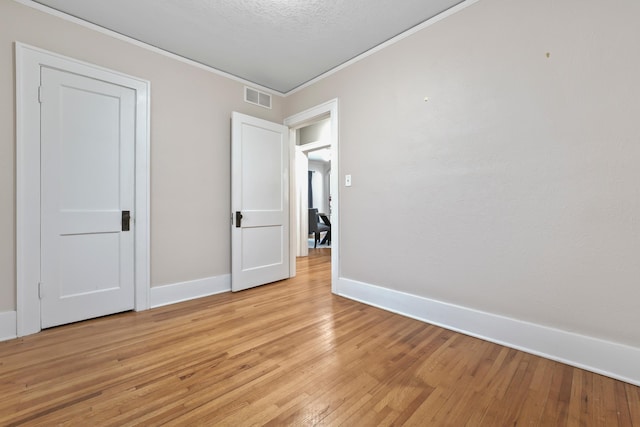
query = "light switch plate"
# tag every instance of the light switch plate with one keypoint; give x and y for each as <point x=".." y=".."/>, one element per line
<point x="347" y="180"/>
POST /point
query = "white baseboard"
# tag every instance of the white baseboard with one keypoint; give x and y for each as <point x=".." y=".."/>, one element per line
<point x="8" y="325"/>
<point x="603" y="357"/>
<point x="184" y="291"/>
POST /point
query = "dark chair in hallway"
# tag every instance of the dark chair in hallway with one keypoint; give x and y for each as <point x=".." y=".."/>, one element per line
<point x="316" y="227"/>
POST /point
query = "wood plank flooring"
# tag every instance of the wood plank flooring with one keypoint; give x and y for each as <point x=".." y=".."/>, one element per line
<point x="291" y="353"/>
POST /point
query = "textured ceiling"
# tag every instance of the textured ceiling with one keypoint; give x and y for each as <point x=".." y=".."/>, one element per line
<point x="278" y="44"/>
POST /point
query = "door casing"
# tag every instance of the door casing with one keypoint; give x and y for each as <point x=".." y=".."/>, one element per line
<point x="29" y="61"/>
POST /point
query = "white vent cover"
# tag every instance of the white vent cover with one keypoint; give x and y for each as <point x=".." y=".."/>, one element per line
<point x="254" y="96"/>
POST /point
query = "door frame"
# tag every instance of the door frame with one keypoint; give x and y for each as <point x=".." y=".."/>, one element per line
<point x="296" y="121"/>
<point x="29" y="60"/>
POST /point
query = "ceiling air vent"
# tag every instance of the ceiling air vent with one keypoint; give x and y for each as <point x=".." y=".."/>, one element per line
<point x="253" y="96"/>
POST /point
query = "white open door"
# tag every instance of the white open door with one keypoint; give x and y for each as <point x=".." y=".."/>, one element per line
<point x="259" y="201"/>
<point x="88" y="166"/>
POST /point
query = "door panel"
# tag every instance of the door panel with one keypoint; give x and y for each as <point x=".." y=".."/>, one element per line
<point x="260" y="190"/>
<point x="262" y="183"/>
<point x="88" y="142"/>
<point x="100" y="256"/>
<point x="88" y="147"/>
<point x="260" y="246"/>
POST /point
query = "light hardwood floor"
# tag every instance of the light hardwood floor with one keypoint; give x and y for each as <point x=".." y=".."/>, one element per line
<point x="291" y="353"/>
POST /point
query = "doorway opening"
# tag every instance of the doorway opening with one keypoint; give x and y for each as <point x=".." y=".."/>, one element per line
<point x="314" y="183"/>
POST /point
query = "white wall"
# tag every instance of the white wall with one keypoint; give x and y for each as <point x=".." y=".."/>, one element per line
<point x="515" y="190"/>
<point x="190" y="146"/>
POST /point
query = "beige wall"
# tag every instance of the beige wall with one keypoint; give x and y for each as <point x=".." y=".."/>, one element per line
<point x="516" y="188"/>
<point x="190" y="148"/>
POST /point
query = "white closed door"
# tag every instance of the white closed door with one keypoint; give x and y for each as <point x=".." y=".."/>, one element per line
<point x="259" y="201"/>
<point x="87" y="195"/>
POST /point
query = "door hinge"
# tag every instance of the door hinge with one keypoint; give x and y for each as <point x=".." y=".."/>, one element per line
<point x="40" y="290"/>
<point x="40" y="94"/>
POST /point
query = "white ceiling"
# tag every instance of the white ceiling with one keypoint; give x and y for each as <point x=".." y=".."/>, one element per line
<point x="278" y="44"/>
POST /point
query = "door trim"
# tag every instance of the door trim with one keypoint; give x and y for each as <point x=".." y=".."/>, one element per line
<point x="329" y="108"/>
<point x="29" y="61"/>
